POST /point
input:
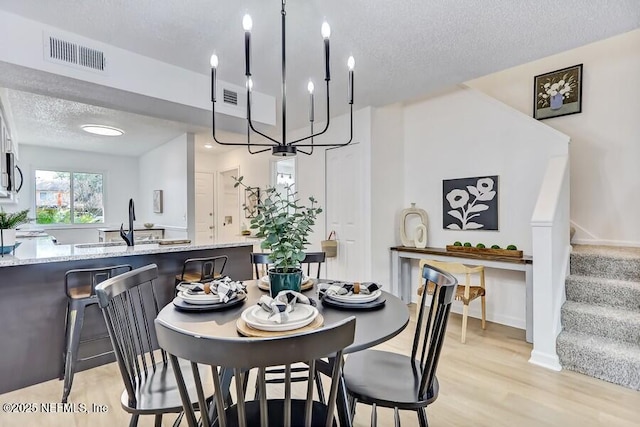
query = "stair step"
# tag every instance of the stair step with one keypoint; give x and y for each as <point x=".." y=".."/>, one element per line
<point x="607" y="322"/>
<point x="601" y="291"/>
<point x="599" y="357"/>
<point x="606" y="261"/>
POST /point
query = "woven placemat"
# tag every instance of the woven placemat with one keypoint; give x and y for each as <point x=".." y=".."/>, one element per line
<point x="248" y="331"/>
<point x="304" y="287"/>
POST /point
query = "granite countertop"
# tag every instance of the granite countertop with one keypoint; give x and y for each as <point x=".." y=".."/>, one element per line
<point x="42" y="249"/>
<point x="135" y="228"/>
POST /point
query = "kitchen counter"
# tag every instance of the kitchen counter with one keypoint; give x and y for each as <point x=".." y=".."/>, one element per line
<point x="34" y="303"/>
<point x="43" y="250"/>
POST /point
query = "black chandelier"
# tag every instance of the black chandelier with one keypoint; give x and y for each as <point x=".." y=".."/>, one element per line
<point x="283" y="147"/>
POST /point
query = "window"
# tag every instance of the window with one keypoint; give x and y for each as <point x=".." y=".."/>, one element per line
<point x="69" y="197"/>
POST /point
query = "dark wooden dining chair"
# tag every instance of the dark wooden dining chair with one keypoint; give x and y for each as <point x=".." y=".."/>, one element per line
<point x="391" y="380"/>
<point x="129" y="305"/>
<point x="260" y="262"/>
<point x="313" y="261"/>
<point x="202" y="269"/>
<point x="236" y="356"/>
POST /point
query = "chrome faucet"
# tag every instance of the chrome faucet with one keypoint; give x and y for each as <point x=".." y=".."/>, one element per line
<point x="128" y="237"/>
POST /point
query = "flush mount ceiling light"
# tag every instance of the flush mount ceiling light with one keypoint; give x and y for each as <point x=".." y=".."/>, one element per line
<point x="283" y="147"/>
<point x="102" y="130"/>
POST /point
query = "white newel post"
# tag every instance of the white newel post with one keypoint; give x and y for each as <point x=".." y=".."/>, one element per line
<point x="544" y="337"/>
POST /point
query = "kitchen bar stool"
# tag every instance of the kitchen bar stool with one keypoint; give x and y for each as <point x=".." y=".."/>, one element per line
<point x="80" y="286"/>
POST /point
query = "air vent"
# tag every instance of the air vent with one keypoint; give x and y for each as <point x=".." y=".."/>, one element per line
<point x="63" y="50"/>
<point x="91" y="58"/>
<point x="74" y="54"/>
<point x="230" y="97"/>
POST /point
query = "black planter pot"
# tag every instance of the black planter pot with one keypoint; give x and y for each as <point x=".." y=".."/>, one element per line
<point x="280" y="280"/>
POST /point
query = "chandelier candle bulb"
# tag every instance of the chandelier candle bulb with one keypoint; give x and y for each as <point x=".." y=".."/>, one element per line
<point x="214" y="66"/>
<point x="326" y="32"/>
<point x="311" y="105"/>
<point x="247" y="24"/>
<point x="351" y="63"/>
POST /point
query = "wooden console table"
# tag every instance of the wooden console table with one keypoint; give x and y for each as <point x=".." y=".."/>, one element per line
<point x="401" y="257"/>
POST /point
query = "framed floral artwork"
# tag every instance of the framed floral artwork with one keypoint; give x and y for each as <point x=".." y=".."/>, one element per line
<point x="558" y="93"/>
<point x="157" y="201"/>
<point x="470" y="203"/>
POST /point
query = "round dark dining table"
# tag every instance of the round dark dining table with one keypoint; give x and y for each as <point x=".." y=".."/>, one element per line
<point x="372" y="326"/>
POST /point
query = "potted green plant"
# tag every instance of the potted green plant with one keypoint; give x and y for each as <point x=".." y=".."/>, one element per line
<point x="8" y="223"/>
<point x="284" y="224"/>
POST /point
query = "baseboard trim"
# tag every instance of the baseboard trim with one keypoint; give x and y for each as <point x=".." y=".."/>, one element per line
<point x="545" y="360"/>
<point x="514" y="322"/>
<point x="603" y="242"/>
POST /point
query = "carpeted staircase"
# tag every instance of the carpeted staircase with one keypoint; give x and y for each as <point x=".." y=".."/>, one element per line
<point x="601" y="317"/>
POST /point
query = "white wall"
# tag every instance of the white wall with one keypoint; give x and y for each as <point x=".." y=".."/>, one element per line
<point x="387" y="186"/>
<point x="463" y="133"/>
<point x="120" y="184"/>
<point x="165" y="168"/>
<point x="604" y="150"/>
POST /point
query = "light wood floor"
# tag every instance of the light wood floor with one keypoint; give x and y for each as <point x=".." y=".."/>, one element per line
<point x="485" y="382"/>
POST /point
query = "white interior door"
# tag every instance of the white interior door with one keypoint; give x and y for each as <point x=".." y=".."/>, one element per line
<point x="346" y="184"/>
<point x="205" y="227"/>
<point x="228" y="219"/>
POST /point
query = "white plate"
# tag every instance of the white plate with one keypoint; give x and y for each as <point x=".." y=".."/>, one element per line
<point x="305" y="279"/>
<point x="257" y="318"/>
<point x="356" y="298"/>
<point x="199" y="299"/>
<point x="186" y="286"/>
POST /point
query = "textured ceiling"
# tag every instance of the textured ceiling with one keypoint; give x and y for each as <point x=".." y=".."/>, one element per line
<point x="404" y="49"/>
<point x="44" y="121"/>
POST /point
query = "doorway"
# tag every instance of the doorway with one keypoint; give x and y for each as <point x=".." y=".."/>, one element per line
<point x="205" y="224"/>
<point x="345" y="211"/>
<point x="228" y="212"/>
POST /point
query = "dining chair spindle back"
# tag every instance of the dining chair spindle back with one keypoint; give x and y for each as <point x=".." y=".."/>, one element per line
<point x="202" y="270"/>
<point x="260" y="262"/>
<point x="235" y="357"/>
<point x="313" y="261"/>
<point x="129" y="305"/>
<point x="391" y="380"/>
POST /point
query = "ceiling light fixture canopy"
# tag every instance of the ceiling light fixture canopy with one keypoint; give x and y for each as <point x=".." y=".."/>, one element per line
<point x="102" y="130"/>
<point x="283" y="147"/>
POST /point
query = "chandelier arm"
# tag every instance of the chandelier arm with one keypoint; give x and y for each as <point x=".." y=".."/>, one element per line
<point x="249" y="142"/>
<point x="264" y="135"/>
<point x="251" y="122"/>
<point x="310" y="152"/>
<point x="334" y="145"/>
<point x="245" y="144"/>
<point x="259" y="151"/>
<point x="326" y="127"/>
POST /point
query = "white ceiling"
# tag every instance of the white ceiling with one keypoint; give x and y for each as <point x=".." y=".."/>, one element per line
<point x="404" y="50"/>
<point x="51" y="122"/>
